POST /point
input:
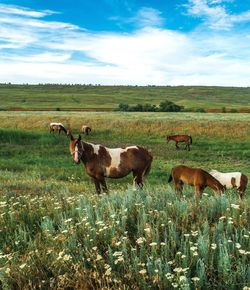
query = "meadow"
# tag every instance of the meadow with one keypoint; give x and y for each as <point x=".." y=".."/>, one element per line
<point x="84" y="97"/>
<point x="56" y="233"/>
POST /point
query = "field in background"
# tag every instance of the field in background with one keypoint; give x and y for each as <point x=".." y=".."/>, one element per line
<point x="56" y="233"/>
<point x="59" y="97"/>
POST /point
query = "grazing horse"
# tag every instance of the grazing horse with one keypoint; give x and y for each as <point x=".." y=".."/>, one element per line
<point x="86" y="129"/>
<point x="196" y="177"/>
<point x="57" y="127"/>
<point x="181" y="138"/>
<point x="101" y="162"/>
<point x="232" y="179"/>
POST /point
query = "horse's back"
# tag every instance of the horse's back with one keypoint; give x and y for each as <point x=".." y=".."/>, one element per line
<point x="229" y="179"/>
<point x="189" y="175"/>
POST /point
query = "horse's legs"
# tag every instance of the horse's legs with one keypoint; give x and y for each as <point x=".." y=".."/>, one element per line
<point x="187" y="146"/>
<point x="198" y="190"/>
<point x="104" y="185"/>
<point x="240" y="192"/>
<point x="138" y="179"/>
<point x="178" y="187"/>
<point x="97" y="185"/>
<point x="176" y="145"/>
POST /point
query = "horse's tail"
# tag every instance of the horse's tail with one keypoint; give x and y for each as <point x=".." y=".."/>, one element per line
<point x="170" y="177"/>
<point x="191" y="140"/>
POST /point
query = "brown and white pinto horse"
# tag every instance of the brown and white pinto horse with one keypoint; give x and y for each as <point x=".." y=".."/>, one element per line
<point x="101" y="162"/>
<point x="57" y="127"/>
<point x="196" y="177"/>
<point x="181" y="138"/>
<point x="86" y="129"/>
<point x="231" y="179"/>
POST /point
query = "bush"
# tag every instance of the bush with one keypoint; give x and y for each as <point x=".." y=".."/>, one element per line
<point x="200" y="110"/>
<point x="167" y="106"/>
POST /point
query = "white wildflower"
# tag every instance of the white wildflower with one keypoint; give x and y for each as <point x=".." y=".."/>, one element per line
<point x="153" y="244"/>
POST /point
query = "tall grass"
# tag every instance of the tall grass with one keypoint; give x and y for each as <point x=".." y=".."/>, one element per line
<point x="55" y="233"/>
<point x="141" y="239"/>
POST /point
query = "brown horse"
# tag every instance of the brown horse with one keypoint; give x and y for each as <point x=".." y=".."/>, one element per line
<point x="57" y="127"/>
<point x="181" y="138"/>
<point x="196" y="177"/>
<point x="101" y="162"/>
<point x="86" y="129"/>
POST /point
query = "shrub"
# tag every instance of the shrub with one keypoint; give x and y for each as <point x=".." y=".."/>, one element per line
<point x="200" y="110"/>
<point x="168" y="106"/>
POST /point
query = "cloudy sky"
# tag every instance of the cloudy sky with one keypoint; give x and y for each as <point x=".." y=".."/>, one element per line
<point x="127" y="42"/>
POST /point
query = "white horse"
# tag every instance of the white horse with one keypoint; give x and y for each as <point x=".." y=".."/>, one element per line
<point x="231" y="179"/>
<point x="57" y="127"/>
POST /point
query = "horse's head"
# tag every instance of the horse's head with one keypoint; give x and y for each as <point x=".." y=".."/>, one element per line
<point x="75" y="147"/>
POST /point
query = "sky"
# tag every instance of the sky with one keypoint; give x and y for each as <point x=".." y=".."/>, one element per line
<point x="125" y="42"/>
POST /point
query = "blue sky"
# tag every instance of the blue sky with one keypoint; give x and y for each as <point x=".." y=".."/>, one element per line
<point x="130" y="42"/>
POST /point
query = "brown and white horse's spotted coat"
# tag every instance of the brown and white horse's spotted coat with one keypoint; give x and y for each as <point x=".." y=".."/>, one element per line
<point x="101" y="162"/>
<point x="231" y="180"/>
<point x="86" y="129"/>
<point x="57" y="127"/>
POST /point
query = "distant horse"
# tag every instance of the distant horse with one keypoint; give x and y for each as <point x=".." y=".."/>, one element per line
<point x="101" y="162"/>
<point x="86" y="129"/>
<point x="231" y="179"/>
<point x="57" y="127"/>
<point x="181" y="138"/>
<point x="196" y="177"/>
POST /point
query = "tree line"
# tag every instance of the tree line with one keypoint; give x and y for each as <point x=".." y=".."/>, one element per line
<point x="164" y="106"/>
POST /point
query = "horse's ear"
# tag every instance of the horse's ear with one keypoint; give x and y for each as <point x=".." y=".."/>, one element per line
<point x="70" y="135"/>
<point x="79" y="137"/>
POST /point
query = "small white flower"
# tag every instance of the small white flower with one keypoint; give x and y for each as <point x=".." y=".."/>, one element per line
<point x="98" y="257"/>
<point x="183" y="278"/>
<point x="153" y="244"/>
<point x="195" y="279"/>
<point x="22" y="266"/>
<point x="242" y="252"/>
<point x="238" y="246"/>
<point x="140" y="240"/>
<point x="143" y="271"/>
<point x="117" y="254"/>
<point x="235" y="206"/>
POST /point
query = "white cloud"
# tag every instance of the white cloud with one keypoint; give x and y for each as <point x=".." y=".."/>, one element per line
<point x="149" y="55"/>
<point x="17" y="10"/>
<point x="148" y="17"/>
<point x="215" y="14"/>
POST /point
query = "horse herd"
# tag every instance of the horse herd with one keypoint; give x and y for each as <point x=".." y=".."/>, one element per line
<point x="101" y="162"/>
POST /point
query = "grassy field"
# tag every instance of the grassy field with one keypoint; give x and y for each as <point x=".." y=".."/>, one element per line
<point x="61" y="97"/>
<point x="56" y="233"/>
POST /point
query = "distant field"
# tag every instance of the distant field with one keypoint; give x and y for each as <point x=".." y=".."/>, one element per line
<point x="56" y="233"/>
<point x="80" y="97"/>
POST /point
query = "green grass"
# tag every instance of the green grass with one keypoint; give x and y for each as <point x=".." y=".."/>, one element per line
<point x="55" y="232"/>
<point x="108" y="97"/>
